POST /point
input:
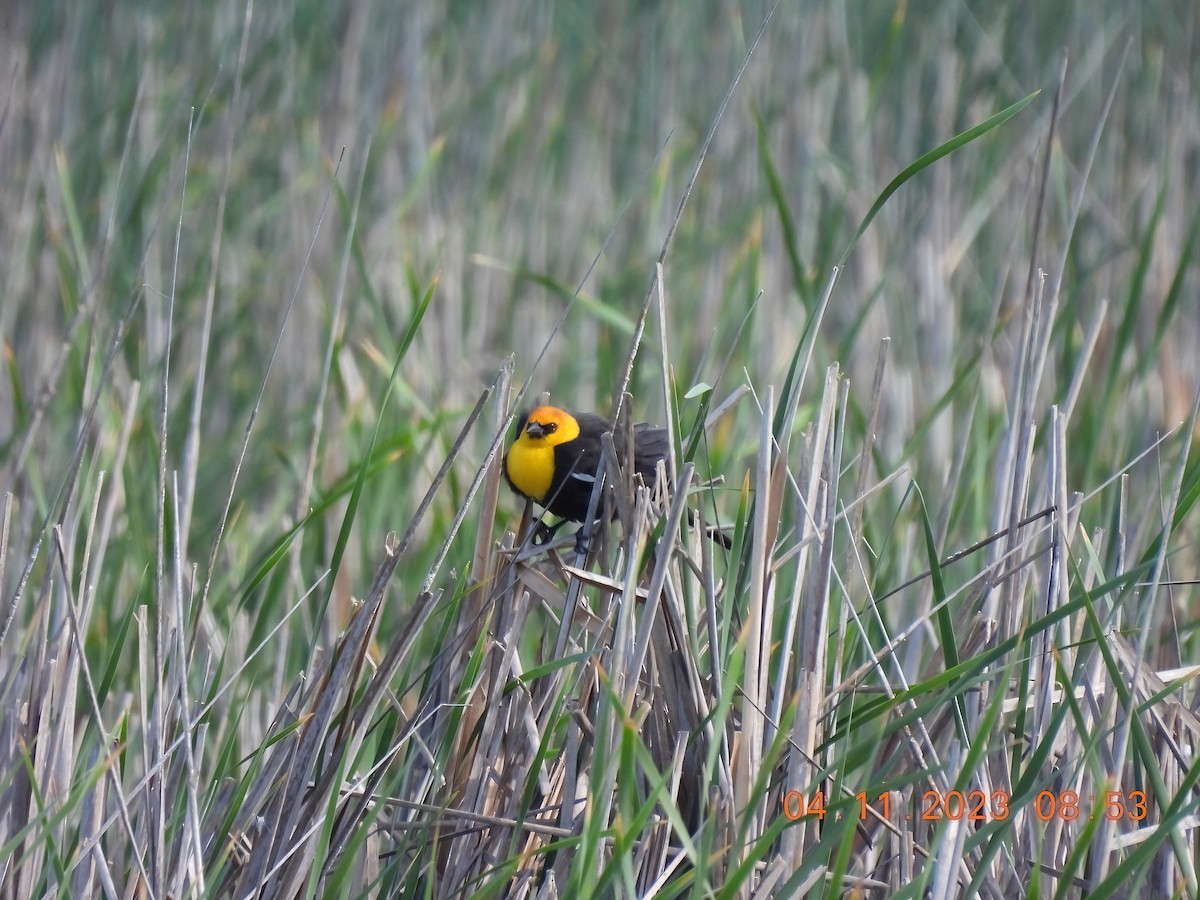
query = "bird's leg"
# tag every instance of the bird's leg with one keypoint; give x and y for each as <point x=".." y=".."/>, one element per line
<point x="543" y="534"/>
<point x="583" y="538"/>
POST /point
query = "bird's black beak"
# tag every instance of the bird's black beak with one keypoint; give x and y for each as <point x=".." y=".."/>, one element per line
<point x="535" y="429"/>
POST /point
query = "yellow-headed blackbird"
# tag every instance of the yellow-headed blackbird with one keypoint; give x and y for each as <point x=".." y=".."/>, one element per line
<point x="554" y="459"/>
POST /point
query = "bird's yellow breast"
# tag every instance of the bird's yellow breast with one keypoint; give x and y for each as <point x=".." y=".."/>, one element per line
<point x="531" y="468"/>
<point x="531" y="459"/>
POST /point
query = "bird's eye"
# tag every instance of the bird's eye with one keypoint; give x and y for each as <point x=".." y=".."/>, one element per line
<point x="550" y="428"/>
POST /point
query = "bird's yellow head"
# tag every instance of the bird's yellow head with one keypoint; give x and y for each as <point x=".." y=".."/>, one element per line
<point x="530" y="461"/>
<point x="548" y="426"/>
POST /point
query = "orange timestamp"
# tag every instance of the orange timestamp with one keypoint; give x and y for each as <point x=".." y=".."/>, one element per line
<point x="980" y="806"/>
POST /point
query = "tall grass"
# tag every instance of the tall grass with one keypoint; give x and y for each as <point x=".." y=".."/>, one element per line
<point x="914" y="291"/>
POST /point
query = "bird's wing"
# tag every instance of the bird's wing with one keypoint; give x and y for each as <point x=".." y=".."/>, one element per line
<point x="650" y="444"/>
<point x="589" y="449"/>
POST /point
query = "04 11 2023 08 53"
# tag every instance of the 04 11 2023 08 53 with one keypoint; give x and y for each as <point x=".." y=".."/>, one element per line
<point x="973" y="805"/>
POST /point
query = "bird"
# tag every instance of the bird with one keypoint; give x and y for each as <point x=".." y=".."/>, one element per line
<point x="556" y="454"/>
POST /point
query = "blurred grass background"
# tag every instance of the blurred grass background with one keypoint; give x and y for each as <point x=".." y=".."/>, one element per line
<point x="230" y="176"/>
<point x="494" y="146"/>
